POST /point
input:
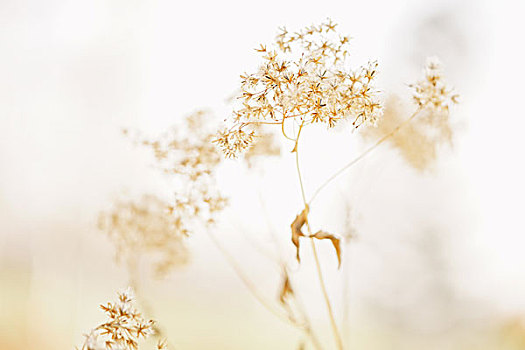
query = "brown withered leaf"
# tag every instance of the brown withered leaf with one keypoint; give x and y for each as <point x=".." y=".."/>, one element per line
<point x="286" y="288"/>
<point x="335" y="241"/>
<point x="296" y="226"/>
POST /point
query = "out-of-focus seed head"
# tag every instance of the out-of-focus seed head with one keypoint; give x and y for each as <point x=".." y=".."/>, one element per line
<point x="432" y="91"/>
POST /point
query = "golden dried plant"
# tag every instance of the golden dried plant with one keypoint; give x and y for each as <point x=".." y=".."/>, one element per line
<point x="304" y="79"/>
<point x="185" y="150"/>
<point x="158" y="227"/>
<point x="187" y="154"/>
<point x="123" y="329"/>
<point x="432" y="91"/>
<point x="418" y="141"/>
<point x="145" y="227"/>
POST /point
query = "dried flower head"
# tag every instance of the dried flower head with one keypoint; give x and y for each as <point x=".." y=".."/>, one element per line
<point x="186" y="154"/>
<point x="233" y="142"/>
<point x="146" y="227"/>
<point x="186" y="150"/>
<point x="123" y="329"/>
<point x="418" y="141"/>
<point x="429" y="127"/>
<point x="432" y="91"/>
<point x="304" y="79"/>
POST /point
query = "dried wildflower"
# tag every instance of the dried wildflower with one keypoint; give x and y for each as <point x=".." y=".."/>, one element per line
<point x="146" y="227"/>
<point x="234" y="142"/>
<point x="187" y="155"/>
<point x="304" y="79"/>
<point x="123" y="328"/>
<point x="432" y="92"/>
<point x="186" y="150"/>
<point x="418" y="140"/>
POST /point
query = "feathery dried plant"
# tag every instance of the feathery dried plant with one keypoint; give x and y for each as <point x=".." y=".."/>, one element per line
<point x="153" y="226"/>
<point x="145" y="227"/>
<point x="304" y="79"/>
<point x="123" y="329"/>
<point x="419" y="140"/>
<point x="186" y="154"/>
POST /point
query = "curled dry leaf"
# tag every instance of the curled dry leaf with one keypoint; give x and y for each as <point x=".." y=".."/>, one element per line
<point x="335" y="241"/>
<point x="296" y="226"/>
<point x="297" y="232"/>
<point x="286" y="288"/>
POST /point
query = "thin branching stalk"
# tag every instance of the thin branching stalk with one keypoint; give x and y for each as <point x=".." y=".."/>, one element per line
<point x="333" y="323"/>
<point x="247" y="282"/>
<point x="306" y="328"/>
<point x="364" y="154"/>
<point x="300" y="307"/>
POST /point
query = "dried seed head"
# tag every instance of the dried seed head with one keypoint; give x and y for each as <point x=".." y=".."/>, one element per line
<point x="157" y="227"/>
<point x="145" y="227"/>
<point x="304" y="78"/>
<point x="185" y="150"/>
<point x="234" y="142"/>
<point x="419" y="140"/>
<point x="432" y="91"/>
<point x="123" y="328"/>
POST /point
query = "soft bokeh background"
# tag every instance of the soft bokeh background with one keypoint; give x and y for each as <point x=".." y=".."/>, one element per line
<point x="438" y="260"/>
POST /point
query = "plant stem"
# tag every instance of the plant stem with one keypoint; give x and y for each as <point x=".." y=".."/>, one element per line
<point x="362" y="155"/>
<point x="247" y="282"/>
<point x="307" y="324"/>
<point x="333" y="323"/>
<point x="264" y="302"/>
